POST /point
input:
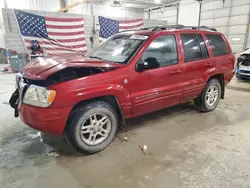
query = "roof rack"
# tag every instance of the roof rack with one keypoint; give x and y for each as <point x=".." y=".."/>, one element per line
<point x="183" y="27"/>
<point x="157" y="28"/>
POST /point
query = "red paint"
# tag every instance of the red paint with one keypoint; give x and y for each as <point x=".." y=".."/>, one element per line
<point x="44" y="119"/>
<point x="160" y="87"/>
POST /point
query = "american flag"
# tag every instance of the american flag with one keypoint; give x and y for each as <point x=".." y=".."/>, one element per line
<point x="109" y="27"/>
<point x="55" y="35"/>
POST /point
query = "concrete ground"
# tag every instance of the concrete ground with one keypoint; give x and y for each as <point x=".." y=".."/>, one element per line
<point x="185" y="149"/>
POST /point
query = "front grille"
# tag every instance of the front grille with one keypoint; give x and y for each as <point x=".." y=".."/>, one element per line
<point x="245" y="72"/>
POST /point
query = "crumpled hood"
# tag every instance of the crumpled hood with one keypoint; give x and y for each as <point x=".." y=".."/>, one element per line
<point x="246" y="52"/>
<point x="42" y="68"/>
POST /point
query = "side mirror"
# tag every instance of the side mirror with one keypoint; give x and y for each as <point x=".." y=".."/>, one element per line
<point x="148" y="63"/>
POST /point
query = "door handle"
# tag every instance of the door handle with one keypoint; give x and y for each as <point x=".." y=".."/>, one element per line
<point x="175" y="72"/>
<point x="208" y="64"/>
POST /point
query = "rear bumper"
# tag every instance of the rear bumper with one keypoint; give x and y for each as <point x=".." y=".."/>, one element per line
<point x="47" y="120"/>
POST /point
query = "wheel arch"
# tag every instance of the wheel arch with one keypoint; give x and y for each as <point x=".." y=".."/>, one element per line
<point x="220" y="78"/>
<point x="110" y="99"/>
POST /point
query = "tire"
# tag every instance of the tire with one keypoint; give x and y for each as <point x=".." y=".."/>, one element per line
<point x="202" y="101"/>
<point x="92" y="112"/>
<point x="238" y="77"/>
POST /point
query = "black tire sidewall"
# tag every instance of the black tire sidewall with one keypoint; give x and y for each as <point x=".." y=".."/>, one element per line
<point x="238" y="77"/>
<point x="205" y="106"/>
<point x="81" y="115"/>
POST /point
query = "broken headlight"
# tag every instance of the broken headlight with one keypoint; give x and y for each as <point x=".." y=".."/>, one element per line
<point x="39" y="96"/>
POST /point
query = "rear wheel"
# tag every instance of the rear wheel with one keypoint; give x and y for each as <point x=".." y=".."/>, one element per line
<point x="210" y="97"/>
<point x="93" y="127"/>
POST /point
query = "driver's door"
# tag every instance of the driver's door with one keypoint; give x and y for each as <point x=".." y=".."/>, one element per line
<point x="157" y="88"/>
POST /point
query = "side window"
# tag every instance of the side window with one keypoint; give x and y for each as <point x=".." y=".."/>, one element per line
<point x="191" y="46"/>
<point x="203" y="47"/>
<point x="217" y="44"/>
<point x="164" y="49"/>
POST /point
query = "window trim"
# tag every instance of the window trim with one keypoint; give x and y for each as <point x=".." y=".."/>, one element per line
<point x="226" y="43"/>
<point x="177" y="51"/>
<point x="206" y="48"/>
<point x="193" y="60"/>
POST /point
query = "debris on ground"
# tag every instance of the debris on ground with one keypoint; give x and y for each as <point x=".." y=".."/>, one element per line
<point x="143" y="149"/>
<point x="52" y="154"/>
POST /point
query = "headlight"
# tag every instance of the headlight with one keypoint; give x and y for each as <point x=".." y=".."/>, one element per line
<point x="39" y="96"/>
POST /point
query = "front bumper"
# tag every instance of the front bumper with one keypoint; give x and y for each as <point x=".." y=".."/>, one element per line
<point x="243" y="74"/>
<point x="48" y="120"/>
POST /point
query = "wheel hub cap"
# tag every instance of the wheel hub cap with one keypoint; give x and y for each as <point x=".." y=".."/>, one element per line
<point x="212" y="95"/>
<point x="95" y="128"/>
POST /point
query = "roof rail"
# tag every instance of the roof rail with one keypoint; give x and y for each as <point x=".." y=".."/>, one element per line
<point x="157" y="28"/>
<point x="183" y="27"/>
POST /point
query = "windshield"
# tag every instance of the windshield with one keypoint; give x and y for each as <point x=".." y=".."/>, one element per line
<point x="118" y="49"/>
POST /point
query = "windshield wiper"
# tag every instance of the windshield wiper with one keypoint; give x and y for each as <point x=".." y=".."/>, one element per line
<point x="96" y="57"/>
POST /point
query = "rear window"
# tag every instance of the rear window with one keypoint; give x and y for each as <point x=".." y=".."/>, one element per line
<point x="217" y="44"/>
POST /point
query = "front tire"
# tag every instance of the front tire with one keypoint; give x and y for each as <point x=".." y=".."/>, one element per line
<point x="93" y="127"/>
<point x="210" y="96"/>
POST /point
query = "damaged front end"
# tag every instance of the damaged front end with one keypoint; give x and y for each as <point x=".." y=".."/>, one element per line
<point x="243" y="66"/>
<point x="67" y="74"/>
<point x="32" y="86"/>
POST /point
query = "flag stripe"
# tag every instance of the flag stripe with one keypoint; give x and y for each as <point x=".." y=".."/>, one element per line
<point x="54" y="37"/>
<point x="65" y="34"/>
<point x="67" y="49"/>
<point x="131" y="27"/>
<point x="56" y="46"/>
<point x="63" y="23"/>
<point x="59" y="41"/>
<point x="64" y="26"/>
<point x="130" y="21"/>
<point x="131" y="24"/>
<point x="58" y="52"/>
<point x="53" y="19"/>
<point x="47" y="42"/>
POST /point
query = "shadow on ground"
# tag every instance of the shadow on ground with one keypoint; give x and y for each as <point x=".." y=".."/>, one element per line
<point x="61" y="146"/>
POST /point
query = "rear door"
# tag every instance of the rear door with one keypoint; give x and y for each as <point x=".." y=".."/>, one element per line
<point x="196" y="62"/>
<point x="161" y="87"/>
<point x="221" y="55"/>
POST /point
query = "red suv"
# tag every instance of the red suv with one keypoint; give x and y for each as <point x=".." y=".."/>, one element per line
<point x="131" y="74"/>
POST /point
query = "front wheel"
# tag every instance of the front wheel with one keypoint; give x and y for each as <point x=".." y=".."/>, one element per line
<point x="210" y="97"/>
<point x="93" y="127"/>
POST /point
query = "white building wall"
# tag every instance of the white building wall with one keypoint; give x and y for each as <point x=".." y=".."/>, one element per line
<point x="41" y="5"/>
<point x="168" y="14"/>
<point x="85" y="8"/>
<point x="106" y="10"/>
<point x="2" y="39"/>
<point x="189" y="12"/>
<point x="231" y="18"/>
